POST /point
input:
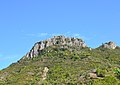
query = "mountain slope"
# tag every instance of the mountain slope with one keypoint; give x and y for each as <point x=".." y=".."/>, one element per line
<point x="65" y="64"/>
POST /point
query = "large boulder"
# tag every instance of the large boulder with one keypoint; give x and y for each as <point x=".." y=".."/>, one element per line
<point x="44" y="75"/>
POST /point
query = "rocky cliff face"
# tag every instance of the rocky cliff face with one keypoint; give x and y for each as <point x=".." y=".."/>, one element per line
<point x="109" y="45"/>
<point x="56" y="40"/>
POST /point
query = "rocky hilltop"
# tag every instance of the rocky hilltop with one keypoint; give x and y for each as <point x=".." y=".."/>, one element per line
<point x="62" y="40"/>
<point x="109" y="45"/>
<point x="65" y="61"/>
<point x="56" y="40"/>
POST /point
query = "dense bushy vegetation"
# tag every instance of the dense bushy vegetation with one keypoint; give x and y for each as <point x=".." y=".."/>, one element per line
<point x="67" y="65"/>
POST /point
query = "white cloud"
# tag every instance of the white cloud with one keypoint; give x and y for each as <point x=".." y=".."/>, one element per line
<point x="69" y="34"/>
<point x="9" y="57"/>
<point x="55" y="34"/>
<point x="76" y="35"/>
<point x="43" y="34"/>
<point x="30" y="34"/>
<point x="37" y="34"/>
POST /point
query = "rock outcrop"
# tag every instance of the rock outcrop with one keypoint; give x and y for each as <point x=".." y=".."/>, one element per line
<point x="44" y="75"/>
<point x="56" y="40"/>
<point x="93" y="75"/>
<point x="109" y="45"/>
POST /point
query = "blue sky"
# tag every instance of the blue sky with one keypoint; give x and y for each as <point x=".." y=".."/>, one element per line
<point x="24" y="22"/>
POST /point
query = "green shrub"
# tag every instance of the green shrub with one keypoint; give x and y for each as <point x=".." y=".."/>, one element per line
<point x="109" y="80"/>
<point x="101" y="72"/>
<point x="117" y="71"/>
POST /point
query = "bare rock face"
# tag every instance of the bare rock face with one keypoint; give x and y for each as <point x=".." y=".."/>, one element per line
<point x="44" y="75"/>
<point x="109" y="45"/>
<point x="93" y="75"/>
<point x="56" y="40"/>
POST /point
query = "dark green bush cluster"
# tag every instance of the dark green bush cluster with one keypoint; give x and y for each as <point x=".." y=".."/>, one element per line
<point x="117" y="71"/>
<point x="109" y="80"/>
<point x="101" y="72"/>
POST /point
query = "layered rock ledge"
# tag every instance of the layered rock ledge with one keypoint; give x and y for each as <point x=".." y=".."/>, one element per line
<point x="56" y="40"/>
